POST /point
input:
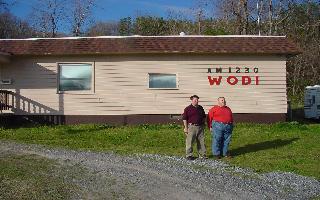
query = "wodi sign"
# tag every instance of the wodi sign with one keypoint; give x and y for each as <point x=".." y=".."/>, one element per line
<point x="242" y="79"/>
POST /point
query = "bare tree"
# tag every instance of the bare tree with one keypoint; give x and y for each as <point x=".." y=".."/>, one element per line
<point x="6" y="4"/>
<point x="200" y="13"/>
<point x="180" y="21"/>
<point x="47" y="16"/>
<point x="81" y="11"/>
<point x="3" y="5"/>
<point x="237" y="13"/>
<point x="12" y="27"/>
<point x="270" y="16"/>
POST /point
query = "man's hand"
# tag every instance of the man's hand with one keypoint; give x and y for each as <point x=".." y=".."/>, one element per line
<point x="185" y="130"/>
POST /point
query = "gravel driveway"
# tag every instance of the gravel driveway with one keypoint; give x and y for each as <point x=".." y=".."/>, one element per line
<point x="166" y="177"/>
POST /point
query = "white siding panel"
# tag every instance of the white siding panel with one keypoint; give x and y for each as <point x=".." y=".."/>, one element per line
<point x="121" y="85"/>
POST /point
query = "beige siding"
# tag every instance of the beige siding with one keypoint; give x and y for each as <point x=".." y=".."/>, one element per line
<point x="121" y="85"/>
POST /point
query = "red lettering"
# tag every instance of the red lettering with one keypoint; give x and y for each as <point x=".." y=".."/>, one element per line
<point x="235" y="80"/>
<point x="257" y="80"/>
<point x="213" y="80"/>
<point x="246" y="80"/>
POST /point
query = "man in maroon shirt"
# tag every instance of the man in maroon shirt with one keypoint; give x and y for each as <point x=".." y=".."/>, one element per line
<point x="220" y="123"/>
<point x="193" y="121"/>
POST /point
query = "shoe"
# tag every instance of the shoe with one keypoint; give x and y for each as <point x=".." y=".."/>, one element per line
<point x="190" y="158"/>
<point x="203" y="157"/>
<point x="216" y="157"/>
<point x="228" y="156"/>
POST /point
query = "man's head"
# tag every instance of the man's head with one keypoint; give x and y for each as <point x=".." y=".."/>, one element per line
<point x="221" y="101"/>
<point x="194" y="100"/>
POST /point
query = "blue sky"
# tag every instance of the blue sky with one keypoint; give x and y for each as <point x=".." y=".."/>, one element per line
<point x="111" y="10"/>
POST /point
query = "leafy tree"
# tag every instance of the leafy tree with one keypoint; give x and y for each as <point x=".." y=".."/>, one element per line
<point x="214" y="27"/>
<point x="212" y="31"/>
<point x="103" y="28"/>
<point x="149" y="25"/>
<point x="125" y="26"/>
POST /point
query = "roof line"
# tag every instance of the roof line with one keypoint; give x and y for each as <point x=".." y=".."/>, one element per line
<point x="140" y="36"/>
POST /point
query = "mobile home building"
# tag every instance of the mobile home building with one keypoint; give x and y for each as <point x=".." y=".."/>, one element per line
<point x="143" y="79"/>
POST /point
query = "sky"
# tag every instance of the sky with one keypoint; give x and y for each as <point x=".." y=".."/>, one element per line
<point x="113" y="10"/>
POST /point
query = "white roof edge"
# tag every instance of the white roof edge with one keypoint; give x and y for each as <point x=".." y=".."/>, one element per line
<point x="135" y="36"/>
<point x="314" y="86"/>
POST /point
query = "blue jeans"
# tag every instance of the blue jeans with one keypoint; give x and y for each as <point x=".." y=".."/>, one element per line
<point x="221" y="136"/>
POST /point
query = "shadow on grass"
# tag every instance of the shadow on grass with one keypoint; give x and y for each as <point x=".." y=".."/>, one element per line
<point x="249" y="148"/>
<point x="74" y="130"/>
<point x="67" y="129"/>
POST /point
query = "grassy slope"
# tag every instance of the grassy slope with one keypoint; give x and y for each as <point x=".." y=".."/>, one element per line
<point x="286" y="146"/>
<point x="25" y="176"/>
<point x="32" y="177"/>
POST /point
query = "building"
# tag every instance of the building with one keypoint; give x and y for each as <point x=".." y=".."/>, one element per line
<point x="143" y="79"/>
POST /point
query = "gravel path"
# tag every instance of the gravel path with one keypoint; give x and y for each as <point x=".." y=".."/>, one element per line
<point x="166" y="177"/>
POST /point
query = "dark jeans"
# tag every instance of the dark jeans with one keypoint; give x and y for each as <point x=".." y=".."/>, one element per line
<point x="221" y="136"/>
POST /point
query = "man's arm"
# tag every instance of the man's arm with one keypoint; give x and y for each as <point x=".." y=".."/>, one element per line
<point x="185" y="124"/>
<point x="231" y="115"/>
<point x="204" y="117"/>
<point x="209" y="119"/>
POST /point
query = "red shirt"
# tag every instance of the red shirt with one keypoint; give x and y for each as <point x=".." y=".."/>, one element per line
<point x="220" y="114"/>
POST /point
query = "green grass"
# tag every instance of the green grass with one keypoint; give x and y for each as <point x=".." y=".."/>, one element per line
<point x="27" y="176"/>
<point x="290" y="147"/>
<point x="32" y="177"/>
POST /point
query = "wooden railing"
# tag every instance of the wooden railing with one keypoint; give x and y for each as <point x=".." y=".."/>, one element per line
<point x="6" y="100"/>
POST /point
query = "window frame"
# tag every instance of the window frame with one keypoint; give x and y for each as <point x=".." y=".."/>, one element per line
<point x="91" y="91"/>
<point x="177" y="81"/>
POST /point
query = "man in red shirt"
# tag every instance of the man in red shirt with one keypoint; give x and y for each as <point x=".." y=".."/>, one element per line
<point x="193" y="120"/>
<point x="220" y="123"/>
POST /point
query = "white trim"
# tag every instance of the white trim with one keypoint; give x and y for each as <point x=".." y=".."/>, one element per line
<point x="139" y="36"/>
<point x="91" y="91"/>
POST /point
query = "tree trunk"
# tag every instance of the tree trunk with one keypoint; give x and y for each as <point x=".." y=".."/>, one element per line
<point x="245" y="17"/>
<point x="270" y="17"/>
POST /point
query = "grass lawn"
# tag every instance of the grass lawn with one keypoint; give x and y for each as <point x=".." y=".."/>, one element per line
<point x="28" y="176"/>
<point x="33" y="177"/>
<point x="290" y="147"/>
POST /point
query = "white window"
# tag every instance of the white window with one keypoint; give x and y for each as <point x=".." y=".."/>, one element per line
<point x="75" y="77"/>
<point x="162" y="81"/>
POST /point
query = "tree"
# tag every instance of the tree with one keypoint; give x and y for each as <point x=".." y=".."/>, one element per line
<point x="237" y="12"/>
<point x="149" y="25"/>
<point x="125" y="26"/>
<point x="180" y="21"/>
<point x="214" y="27"/>
<point x="81" y="11"/>
<point x="103" y="28"/>
<point x="5" y="5"/>
<point x="47" y="16"/>
<point x="303" y="26"/>
<point x="12" y="27"/>
<point x="200" y="13"/>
